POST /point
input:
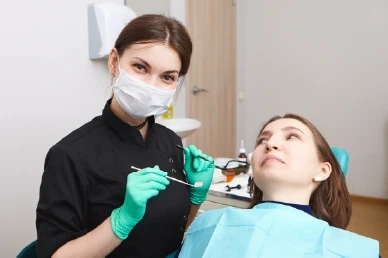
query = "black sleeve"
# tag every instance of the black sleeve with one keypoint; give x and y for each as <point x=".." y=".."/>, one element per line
<point x="61" y="209"/>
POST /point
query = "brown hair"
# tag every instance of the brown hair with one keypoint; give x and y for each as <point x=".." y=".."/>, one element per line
<point x="155" y="28"/>
<point x="330" y="201"/>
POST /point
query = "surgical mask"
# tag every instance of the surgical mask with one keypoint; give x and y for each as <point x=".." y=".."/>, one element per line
<point x="139" y="99"/>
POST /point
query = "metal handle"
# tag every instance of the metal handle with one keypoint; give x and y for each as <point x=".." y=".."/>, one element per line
<point x="197" y="90"/>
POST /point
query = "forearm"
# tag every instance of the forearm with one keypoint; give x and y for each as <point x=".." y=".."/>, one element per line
<point x="193" y="213"/>
<point x="97" y="243"/>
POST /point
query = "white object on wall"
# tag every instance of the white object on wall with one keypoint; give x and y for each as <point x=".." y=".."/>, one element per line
<point x="105" y="22"/>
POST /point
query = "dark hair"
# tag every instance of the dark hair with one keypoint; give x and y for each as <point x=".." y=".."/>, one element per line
<point x="155" y="28"/>
<point x="331" y="200"/>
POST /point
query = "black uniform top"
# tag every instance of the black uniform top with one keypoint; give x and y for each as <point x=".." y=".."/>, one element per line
<point x="84" y="179"/>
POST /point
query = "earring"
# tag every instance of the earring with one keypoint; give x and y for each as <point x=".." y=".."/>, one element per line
<point x="317" y="179"/>
<point x="111" y="80"/>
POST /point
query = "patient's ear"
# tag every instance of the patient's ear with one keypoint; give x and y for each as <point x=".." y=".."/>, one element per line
<point x="323" y="173"/>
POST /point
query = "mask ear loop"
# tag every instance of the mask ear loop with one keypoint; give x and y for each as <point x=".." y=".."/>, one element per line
<point x="178" y="89"/>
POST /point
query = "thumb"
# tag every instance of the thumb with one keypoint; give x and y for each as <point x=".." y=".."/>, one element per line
<point x="188" y="156"/>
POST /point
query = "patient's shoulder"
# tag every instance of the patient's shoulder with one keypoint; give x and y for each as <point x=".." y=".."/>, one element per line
<point x="225" y="216"/>
<point x="213" y="215"/>
<point x="336" y="239"/>
<point x="208" y="218"/>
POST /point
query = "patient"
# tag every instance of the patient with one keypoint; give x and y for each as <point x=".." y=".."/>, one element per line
<point x="300" y="205"/>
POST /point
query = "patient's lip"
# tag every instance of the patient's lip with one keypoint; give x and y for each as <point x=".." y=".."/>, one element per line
<point x="271" y="158"/>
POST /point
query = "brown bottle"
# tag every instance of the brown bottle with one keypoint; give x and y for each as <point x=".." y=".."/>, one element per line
<point x="243" y="156"/>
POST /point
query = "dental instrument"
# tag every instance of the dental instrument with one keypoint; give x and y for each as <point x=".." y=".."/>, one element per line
<point x="197" y="184"/>
<point x="180" y="147"/>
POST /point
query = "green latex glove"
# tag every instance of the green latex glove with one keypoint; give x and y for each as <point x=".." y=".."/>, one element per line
<point x="141" y="186"/>
<point x="198" y="170"/>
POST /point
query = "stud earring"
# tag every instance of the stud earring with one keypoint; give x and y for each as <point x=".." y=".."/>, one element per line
<point x="317" y="179"/>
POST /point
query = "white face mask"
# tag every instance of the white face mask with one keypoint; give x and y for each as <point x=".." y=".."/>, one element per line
<point x="139" y="99"/>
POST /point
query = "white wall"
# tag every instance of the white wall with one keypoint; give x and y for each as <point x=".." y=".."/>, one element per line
<point x="325" y="60"/>
<point x="150" y="6"/>
<point x="49" y="88"/>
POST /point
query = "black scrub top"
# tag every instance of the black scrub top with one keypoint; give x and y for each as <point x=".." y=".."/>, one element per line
<point x="84" y="179"/>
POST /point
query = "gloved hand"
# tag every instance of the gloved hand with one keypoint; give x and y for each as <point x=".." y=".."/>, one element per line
<point x="141" y="186"/>
<point x="198" y="170"/>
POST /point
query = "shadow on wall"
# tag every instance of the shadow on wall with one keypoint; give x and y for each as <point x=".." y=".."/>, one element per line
<point x="386" y="156"/>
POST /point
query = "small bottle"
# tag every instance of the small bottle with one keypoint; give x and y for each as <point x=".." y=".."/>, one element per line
<point x="242" y="156"/>
<point x="169" y="114"/>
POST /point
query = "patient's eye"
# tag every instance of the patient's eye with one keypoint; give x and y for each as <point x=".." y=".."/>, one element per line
<point x="261" y="140"/>
<point x="292" y="136"/>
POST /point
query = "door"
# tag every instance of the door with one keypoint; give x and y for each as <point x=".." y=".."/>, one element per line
<point x="212" y="26"/>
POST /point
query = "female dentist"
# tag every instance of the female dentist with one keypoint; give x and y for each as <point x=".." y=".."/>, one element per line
<point x="92" y="203"/>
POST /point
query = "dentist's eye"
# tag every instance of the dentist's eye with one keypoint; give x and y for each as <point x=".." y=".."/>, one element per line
<point x="169" y="78"/>
<point x="140" y="67"/>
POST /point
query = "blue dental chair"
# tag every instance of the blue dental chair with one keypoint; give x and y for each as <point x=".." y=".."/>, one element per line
<point x="29" y="251"/>
<point x="341" y="155"/>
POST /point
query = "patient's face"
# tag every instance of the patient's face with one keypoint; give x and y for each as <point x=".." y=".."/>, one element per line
<point x="285" y="156"/>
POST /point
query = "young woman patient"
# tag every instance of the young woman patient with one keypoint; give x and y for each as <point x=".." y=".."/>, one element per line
<point x="300" y="205"/>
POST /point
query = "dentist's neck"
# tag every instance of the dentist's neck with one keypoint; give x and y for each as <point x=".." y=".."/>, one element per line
<point x="120" y="113"/>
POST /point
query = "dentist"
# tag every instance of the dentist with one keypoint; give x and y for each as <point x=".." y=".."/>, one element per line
<point x="91" y="203"/>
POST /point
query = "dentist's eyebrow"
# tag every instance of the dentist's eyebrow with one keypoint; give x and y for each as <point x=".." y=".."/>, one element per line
<point x="149" y="66"/>
<point x="143" y="61"/>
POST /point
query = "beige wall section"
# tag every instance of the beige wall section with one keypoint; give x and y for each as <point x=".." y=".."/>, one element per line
<point x="328" y="61"/>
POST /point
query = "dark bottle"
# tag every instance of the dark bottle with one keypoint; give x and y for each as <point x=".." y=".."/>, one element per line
<point x="243" y="156"/>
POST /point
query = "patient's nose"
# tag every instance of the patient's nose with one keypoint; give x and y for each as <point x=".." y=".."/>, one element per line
<point x="271" y="145"/>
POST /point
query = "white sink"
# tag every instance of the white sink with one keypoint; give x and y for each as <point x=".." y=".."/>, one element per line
<point x="181" y="126"/>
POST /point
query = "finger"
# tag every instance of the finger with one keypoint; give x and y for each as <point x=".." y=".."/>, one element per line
<point x="153" y="177"/>
<point x="193" y="150"/>
<point x="153" y="185"/>
<point x="209" y="162"/>
<point x="150" y="193"/>
<point x="201" y="164"/>
<point x="186" y="151"/>
<point x="209" y="158"/>
<point x="188" y="156"/>
<point x="154" y="170"/>
<point x="149" y="185"/>
<point x="198" y="161"/>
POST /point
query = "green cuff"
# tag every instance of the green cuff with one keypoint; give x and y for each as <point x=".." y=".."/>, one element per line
<point x="119" y="229"/>
<point x="198" y="198"/>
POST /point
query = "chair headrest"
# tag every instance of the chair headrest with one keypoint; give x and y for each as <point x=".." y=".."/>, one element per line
<point x="342" y="157"/>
